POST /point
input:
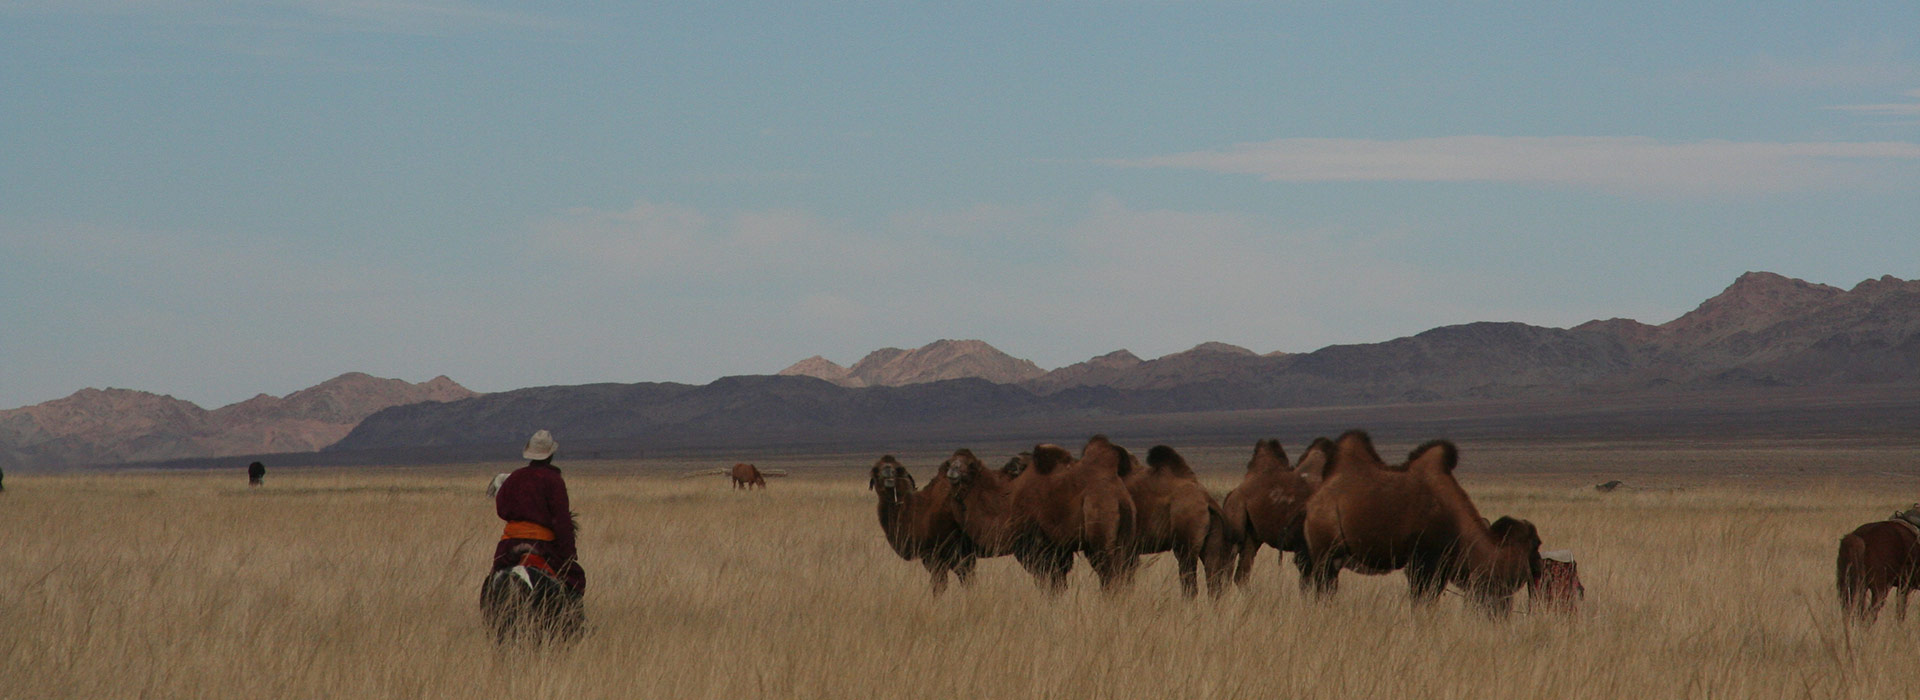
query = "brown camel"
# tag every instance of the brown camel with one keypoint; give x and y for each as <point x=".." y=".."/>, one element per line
<point x="745" y="476"/>
<point x="1372" y="518"/>
<point x="1876" y="558"/>
<point x="920" y="524"/>
<point x="1055" y="507"/>
<point x="1269" y="507"/>
<point x="1174" y="513"/>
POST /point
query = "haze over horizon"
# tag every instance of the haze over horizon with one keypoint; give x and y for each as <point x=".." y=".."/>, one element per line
<point x="215" y="200"/>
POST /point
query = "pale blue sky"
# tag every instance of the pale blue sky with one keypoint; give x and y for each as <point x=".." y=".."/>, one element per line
<point x="214" y="199"/>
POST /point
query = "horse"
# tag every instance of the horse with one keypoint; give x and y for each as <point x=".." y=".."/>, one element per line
<point x="528" y="601"/>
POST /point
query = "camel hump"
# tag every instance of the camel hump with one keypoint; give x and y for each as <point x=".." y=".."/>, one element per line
<point x="1434" y="456"/>
<point x="1046" y="458"/>
<point x="1163" y="459"/>
<point x="1314" y="462"/>
<point x="1352" y="449"/>
<point x="1267" y="453"/>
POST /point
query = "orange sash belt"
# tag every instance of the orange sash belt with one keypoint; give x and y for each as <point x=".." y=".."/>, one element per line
<point x="523" y="530"/>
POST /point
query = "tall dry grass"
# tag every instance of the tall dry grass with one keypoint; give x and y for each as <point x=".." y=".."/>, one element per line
<point x="336" y="584"/>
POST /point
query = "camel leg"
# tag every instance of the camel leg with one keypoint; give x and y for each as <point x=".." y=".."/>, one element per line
<point x="938" y="572"/>
<point x="1218" y="563"/>
<point x="1189" y="573"/>
<point x="1320" y="577"/>
<point x="1424" y="582"/>
<point x="1243" y="568"/>
<point x="1113" y="568"/>
<point x="1900" y="603"/>
<point x="964" y="569"/>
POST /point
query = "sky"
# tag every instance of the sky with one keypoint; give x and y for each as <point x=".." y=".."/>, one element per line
<point x="214" y="199"/>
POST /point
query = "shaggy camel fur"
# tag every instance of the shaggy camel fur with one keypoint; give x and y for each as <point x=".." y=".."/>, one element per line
<point x="920" y="524"/>
<point x="1876" y="558"/>
<point x="1269" y="507"/>
<point x="1174" y="513"/>
<point x="1372" y="518"/>
<point x="1057" y="506"/>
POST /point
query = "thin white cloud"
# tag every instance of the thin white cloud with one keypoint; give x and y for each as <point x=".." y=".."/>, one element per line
<point x="1886" y="109"/>
<point x="1627" y="164"/>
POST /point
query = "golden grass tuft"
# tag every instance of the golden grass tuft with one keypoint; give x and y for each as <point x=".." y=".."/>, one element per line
<point x="363" y="584"/>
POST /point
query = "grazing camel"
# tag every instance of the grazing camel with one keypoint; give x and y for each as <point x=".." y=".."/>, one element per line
<point x="1269" y="507"/>
<point x="1373" y="518"/>
<point x="745" y="476"/>
<point x="1174" y="513"/>
<point x="1876" y="558"/>
<point x="1057" y="506"/>
<point x="921" y="524"/>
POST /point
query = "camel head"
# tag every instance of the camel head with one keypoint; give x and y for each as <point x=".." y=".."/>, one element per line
<point x="1515" y="564"/>
<point x="963" y="470"/>
<point x="1018" y="463"/>
<point x="891" y="480"/>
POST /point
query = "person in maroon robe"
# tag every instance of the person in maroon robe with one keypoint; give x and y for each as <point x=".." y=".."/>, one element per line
<point x="533" y="501"/>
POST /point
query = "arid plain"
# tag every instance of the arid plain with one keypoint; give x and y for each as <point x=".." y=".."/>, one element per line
<point x="1710" y="575"/>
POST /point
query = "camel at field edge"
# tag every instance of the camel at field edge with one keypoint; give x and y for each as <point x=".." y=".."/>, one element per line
<point x="920" y="524"/>
<point x="1876" y="558"/>
<point x="1174" y="513"/>
<point x="1055" y="507"/>
<point x="1269" y="507"/>
<point x="1373" y="518"/>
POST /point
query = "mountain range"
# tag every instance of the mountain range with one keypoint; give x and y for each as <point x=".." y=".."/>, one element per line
<point x="1765" y="330"/>
<point x="107" y="426"/>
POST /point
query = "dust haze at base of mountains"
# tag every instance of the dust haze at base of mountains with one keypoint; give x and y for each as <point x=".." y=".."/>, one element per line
<point x="1764" y="330"/>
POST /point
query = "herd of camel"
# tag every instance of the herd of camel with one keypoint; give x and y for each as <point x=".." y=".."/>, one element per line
<point x="1339" y="507"/>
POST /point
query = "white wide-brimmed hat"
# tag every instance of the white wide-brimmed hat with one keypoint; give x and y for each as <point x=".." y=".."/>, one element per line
<point x="540" y="446"/>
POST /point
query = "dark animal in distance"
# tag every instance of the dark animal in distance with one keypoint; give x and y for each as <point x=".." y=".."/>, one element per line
<point x="1874" y="559"/>
<point x="1374" y="518"/>
<point x="1269" y="507"/>
<point x="528" y="602"/>
<point x="920" y="524"/>
<point x="1056" y="507"/>
<point x="744" y="475"/>
<point x="256" y="473"/>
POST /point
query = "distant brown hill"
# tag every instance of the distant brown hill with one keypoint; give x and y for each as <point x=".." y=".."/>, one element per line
<point x="101" y="426"/>
<point x="1763" y="331"/>
<point x="937" y="361"/>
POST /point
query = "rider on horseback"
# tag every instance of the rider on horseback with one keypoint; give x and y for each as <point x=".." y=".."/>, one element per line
<point x="533" y="501"/>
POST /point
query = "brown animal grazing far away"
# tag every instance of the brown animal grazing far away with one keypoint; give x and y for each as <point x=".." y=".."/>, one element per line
<point x="920" y="524"/>
<point x="1876" y="558"/>
<point x="1055" y="507"/>
<point x="1373" y="518"/>
<point x="1174" y="513"/>
<point x="1269" y="507"/>
<point x="745" y="476"/>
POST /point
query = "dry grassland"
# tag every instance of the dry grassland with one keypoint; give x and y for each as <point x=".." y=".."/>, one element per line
<point x="362" y="584"/>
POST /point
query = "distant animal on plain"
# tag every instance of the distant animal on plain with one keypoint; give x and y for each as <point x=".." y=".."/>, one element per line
<point x="1373" y="518"/>
<point x="1056" y="507"/>
<point x="493" y="488"/>
<point x="920" y="524"/>
<point x="256" y="473"/>
<point x="1876" y="558"/>
<point x="1269" y="507"/>
<point x="530" y="602"/>
<point x="1608" y="486"/>
<point x="745" y="476"/>
<point x="1174" y="513"/>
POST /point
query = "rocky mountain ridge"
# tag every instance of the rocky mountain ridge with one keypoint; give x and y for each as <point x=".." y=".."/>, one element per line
<point x="95" y="426"/>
